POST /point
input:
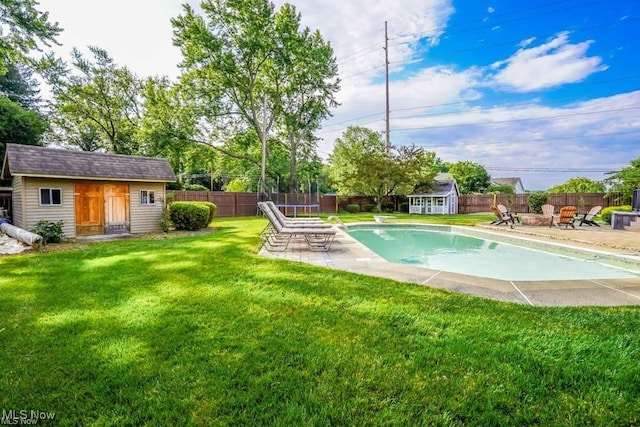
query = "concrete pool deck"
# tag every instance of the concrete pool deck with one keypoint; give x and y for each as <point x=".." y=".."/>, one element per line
<point x="349" y="255"/>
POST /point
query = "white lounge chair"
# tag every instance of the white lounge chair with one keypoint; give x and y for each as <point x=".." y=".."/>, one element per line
<point x="277" y="236"/>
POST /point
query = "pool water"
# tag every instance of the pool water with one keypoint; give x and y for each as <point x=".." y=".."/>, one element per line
<point x="443" y="249"/>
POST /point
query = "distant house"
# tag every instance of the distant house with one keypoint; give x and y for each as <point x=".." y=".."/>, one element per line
<point x="514" y="183"/>
<point x="441" y="197"/>
<point x="92" y="193"/>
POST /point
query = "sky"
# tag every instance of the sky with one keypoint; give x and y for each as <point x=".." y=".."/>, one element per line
<point x="542" y="90"/>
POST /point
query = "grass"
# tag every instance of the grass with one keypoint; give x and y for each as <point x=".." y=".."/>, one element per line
<point x="199" y="330"/>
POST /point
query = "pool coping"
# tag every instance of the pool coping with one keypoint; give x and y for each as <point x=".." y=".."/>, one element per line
<point x="347" y="254"/>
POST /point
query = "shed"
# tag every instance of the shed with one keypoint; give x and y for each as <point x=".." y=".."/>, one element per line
<point x="440" y="198"/>
<point x="92" y="193"/>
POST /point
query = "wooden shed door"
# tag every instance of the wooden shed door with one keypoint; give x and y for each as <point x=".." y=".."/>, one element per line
<point x="89" y="209"/>
<point x="116" y="198"/>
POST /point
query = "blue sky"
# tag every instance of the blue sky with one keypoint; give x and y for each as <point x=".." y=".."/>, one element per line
<point x="544" y="90"/>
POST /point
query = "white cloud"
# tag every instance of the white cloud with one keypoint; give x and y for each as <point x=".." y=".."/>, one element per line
<point x="135" y="33"/>
<point x="551" y="64"/>
<point x="490" y="9"/>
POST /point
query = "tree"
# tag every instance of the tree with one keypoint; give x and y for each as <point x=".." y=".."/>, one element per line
<point x="18" y="85"/>
<point x="253" y="69"/>
<point x="500" y="189"/>
<point x="625" y="180"/>
<point x="361" y="165"/>
<point x="471" y="177"/>
<point x="99" y="106"/>
<point x="22" y="26"/>
<point x="579" y="185"/>
<point x="19" y="125"/>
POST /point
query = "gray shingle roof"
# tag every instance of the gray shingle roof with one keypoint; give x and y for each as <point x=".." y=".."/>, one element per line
<point x="29" y="160"/>
<point x="438" y="188"/>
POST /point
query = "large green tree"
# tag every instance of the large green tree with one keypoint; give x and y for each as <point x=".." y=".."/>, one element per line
<point x="252" y="68"/>
<point x="19" y="125"/>
<point x="360" y="165"/>
<point x="97" y="104"/>
<point x="625" y="180"/>
<point x="471" y="177"/>
<point x="22" y="26"/>
<point x="18" y="85"/>
<point x="579" y="185"/>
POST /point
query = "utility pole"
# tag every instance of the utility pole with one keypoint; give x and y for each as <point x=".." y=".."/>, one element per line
<point x="386" y="80"/>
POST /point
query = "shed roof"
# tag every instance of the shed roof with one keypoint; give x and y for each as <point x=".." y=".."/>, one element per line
<point x="439" y="188"/>
<point x="29" y="160"/>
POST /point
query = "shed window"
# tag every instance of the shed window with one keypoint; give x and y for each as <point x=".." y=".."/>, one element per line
<point x="50" y="197"/>
<point x="147" y="197"/>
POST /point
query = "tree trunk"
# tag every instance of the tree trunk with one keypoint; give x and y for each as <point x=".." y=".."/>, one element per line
<point x="293" y="166"/>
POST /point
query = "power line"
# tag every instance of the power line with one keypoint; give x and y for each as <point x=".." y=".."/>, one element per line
<point x="532" y="169"/>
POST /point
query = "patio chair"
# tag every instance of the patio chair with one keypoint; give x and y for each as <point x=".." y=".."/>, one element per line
<point x="588" y="217"/>
<point x="502" y="218"/>
<point x="298" y="221"/>
<point x="566" y="217"/>
<point x="503" y="210"/>
<point x="277" y="237"/>
<point x="547" y="211"/>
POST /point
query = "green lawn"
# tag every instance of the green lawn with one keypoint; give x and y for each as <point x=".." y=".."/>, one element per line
<point x="199" y="330"/>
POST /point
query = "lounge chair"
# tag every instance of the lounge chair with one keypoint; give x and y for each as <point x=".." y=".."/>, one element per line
<point x="502" y="218"/>
<point x="285" y="220"/>
<point x="277" y="237"/>
<point x="547" y="211"/>
<point x="566" y="217"/>
<point x="588" y="217"/>
<point x="503" y="210"/>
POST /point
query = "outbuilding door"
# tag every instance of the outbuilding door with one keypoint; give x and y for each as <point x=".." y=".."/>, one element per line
<point x="101" y="208"/>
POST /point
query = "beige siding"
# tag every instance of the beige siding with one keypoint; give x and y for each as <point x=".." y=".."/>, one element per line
<point x="146" y="218"/>
<point x="33" y="212"/>
<point x="17" y="201"/>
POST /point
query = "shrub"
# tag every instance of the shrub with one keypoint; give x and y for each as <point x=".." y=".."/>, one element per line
<point x="536" y="200"/>
<point x="50" y="231"/>
<point x="189" y="215"/>
<point x="404" y="207"/>
<point x="352" y="208"/>
<point x="370" y="207"/>
<point x="388" y="207"/>
<point x="195" y="187"/>
<point x="605" y="214"/>
<point x="212" y="210"/>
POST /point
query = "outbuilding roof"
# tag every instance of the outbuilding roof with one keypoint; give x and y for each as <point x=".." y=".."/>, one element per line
<point x="35" y="161"/>
<point x="438" y="188"/>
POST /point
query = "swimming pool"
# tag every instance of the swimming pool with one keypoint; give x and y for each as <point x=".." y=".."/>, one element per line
<point x="443" y="248"/>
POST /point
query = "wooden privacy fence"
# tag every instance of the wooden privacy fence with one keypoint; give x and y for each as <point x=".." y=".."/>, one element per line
<point x="243" y="204"/>
<point x="475" y="203"/>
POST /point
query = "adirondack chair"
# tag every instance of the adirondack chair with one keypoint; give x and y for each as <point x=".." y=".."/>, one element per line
<point x="588" y="217"/>
<point x="547" y="211"/>
<point x="503" y="210"/>
<point x="502" y="218"/>
<point x="566" y="217"/>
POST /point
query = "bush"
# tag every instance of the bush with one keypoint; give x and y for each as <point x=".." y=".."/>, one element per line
<point x="388" y="207"/>
<point x="536" y="200"/>
<point x="195" y="187"/>
<point x="352" y="208"/>
<point x="605" y="214"/>
<point x="404" y="207"/>
<point x="370" y="207"/>
<point x="50" y="231"/>
<point x="212" y="210"/>
<point x="189" y="215"/>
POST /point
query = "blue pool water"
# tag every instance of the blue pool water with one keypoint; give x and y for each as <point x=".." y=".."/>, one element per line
<point x="443" y="249"/>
